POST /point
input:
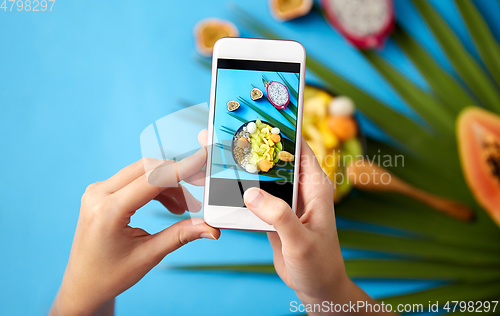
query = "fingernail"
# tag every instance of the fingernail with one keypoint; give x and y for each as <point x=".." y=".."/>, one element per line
<point x="207" y="236"/>
<point x="253" y="197"/>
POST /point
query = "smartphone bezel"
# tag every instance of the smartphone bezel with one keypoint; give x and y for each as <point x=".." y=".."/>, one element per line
<point x="251" y="49"/>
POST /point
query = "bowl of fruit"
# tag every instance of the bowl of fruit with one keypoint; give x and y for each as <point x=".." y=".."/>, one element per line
<point x="258" y="146"/>
<point x="330" y="128"/>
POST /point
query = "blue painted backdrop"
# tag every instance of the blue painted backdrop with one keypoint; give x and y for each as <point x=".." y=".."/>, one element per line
<point x="77" y="87"/>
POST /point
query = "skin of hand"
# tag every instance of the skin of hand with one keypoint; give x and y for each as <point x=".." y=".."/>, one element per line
<point x="306" y="249"/>
<point x="108" y="256"/>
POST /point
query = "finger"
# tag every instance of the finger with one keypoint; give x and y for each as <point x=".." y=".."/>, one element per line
<point x="123" y="177"/>
<point x="171" y="172"/>
<point x="197" y="179"/>
<point x="180" y="199"/>
<point x="278" y="259"/>
<point x="203" y="137"/>
<point x="275" y="241"/>
<point x="149" y="185"/>
<point x="193" y="205"/>
<point x="276" y="212"/>
<point x="138" y="168"/>
<point x="170" y="201"/>
<point x="178" y="235"/>
<point x="308" y="161"/>
<point x="314" y="185"/>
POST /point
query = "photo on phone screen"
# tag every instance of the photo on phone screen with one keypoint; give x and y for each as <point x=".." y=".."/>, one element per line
<point x="254" y="133"/>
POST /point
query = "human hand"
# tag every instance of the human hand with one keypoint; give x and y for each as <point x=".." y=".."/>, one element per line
<point x="108" y="256"/>
<point x="307" y="254"/>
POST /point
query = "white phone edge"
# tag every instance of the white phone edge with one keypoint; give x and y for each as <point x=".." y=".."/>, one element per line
<point x="240" y="218"/>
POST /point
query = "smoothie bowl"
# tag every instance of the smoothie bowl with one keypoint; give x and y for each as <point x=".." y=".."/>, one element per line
<point x="258" y="146"/>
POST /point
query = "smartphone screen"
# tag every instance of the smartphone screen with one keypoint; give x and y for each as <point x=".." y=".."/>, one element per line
<point x="254" y="131"/>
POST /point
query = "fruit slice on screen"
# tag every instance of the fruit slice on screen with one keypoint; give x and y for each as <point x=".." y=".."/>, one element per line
<point x="290" y="9"/>
<point x="208" y="31"/>
<point x="233" y="105"/>
<point x="364" y="23"/>
<point x="256" y="94"/>
<point x="278" y="94"/>
<point x="478" y="133"/>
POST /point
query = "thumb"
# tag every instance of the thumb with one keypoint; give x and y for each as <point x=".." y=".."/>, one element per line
<point x="276" y="212"/>
<point x="179" y="234"/>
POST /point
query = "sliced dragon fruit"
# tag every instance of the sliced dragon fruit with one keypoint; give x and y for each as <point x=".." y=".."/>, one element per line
<point x="364" y="23"/>
<point x="278" y="94"/>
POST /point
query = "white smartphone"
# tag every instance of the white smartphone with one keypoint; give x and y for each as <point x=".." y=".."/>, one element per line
<point x="254" y="128"/>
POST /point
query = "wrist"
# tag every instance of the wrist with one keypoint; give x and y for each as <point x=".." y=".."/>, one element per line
<point x="337" y="292"/>
<point x="72" y="301"/>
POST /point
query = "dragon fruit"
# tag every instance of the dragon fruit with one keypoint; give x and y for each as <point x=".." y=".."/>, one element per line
<point x="364" y="23"/>
<point x="277" y="94"/>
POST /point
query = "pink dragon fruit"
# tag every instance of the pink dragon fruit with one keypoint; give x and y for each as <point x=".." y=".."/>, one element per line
<point x="277" y="94"/>
<point x="364" y="23"/>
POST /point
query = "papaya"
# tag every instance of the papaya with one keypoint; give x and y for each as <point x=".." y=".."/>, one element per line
<point x="478" y="133"/>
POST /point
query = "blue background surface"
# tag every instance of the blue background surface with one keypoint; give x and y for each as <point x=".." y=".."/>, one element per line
<point x="77" y="87"/>
<point x="232" y="83"/>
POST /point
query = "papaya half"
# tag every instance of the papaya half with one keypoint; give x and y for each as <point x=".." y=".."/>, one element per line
<point x="478" y="133"/>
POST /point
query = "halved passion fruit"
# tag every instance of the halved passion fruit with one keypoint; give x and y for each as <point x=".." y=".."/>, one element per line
<point x="208" y="31"/>
<point x="256" y="94"/>
<point x="232" y="105"/>
<point x="285" y="10"/>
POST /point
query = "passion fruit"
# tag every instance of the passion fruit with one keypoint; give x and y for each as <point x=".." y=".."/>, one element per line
<point x="285" y="10"/>
<point x="208" y="31"/>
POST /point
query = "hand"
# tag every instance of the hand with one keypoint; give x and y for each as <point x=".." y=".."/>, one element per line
<point x="108" y="256"/>
<point x="306" y="250"/>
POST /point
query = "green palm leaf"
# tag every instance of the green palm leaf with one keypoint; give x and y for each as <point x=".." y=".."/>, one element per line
<point x="398" y="126"/>
<point x="443" y="84"/>
<point x="242" y="120"/>
<point x="417" y="172"/>
<point x="418" y="248"/>
<point x="401" y="128"/>
<point x="401" y="212"/>
<point x="287" y="116"/>
<point x="292" y="90"/>
<point x="284" y="174"/>
<point x="452" y="292"/>
<point x="485" y="42"/>
<point x="381" y="268"/>
<point x="420" y="270"/>
<point x="427" y="106"/>
<point x="287" y="131"/>
<point x="290" y="119"/>
<point x="468" y="69"/>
